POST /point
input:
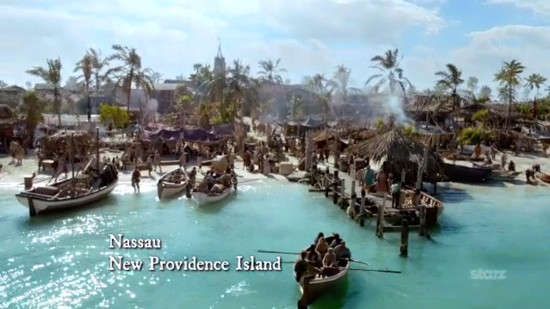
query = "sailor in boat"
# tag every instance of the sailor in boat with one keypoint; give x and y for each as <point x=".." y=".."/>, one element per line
<point x="135" y="179"/>
<point x="321" y="247"/>
<point x="342" y="253"/>
<point x="301" y="267"/>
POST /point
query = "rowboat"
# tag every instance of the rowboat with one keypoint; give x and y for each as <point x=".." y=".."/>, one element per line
<point x="70" y="193"/>
<point x="316" y="287"/>
<point x="172" y="184"/>
<point x="203" y="198"/>
<point x="462" y="173"/>
<point x="544" y="177"/>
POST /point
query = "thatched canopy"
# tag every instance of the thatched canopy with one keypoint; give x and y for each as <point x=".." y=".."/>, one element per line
<point x="393" y="145"/>
<point x="399" y="150"/>
<point x="61" y="142"/>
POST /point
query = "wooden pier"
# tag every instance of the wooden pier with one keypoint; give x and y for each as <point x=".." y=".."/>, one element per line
<point x="417" y="210"/>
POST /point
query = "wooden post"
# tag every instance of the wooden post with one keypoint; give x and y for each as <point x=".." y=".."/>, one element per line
<point x="341" y="193"/>
<point x="380" y="219"/>
<point x="336" y="182"/>
<point x="308" y="151"/>
<point x="362" y="208"/>
<point x="422" y="231"/>
<point x="353" y="178"/>
<point x="404" y="249"/>
<point x="97" y="150"/>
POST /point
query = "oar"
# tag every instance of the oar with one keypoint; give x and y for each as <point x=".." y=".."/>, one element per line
<point x="378" y="270"/>
<point x="279" y="252"/>
<point x="362" y="269"/>
<point x="296" y="253"/>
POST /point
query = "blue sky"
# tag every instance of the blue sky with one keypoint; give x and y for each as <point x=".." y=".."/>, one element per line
<point x="309" y="36"/>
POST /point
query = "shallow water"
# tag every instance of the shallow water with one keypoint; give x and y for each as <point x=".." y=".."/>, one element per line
<point x="62" y="259"/>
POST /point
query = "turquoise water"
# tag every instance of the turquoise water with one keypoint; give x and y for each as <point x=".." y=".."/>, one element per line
<point x="61" y="260"/>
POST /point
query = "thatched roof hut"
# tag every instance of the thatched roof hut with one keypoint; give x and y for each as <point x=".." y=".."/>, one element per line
<point x="60" y="144"/>
<point x="399" y="150"/>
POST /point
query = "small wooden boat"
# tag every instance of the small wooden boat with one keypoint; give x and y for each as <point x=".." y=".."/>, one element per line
<point x="70" y="193"/>
<point x="172" y="184"/>
<point x="543" y="177"/>
<point x="462" y="173"/>
<point x="316" y="287"/>
<point x="203" y="198"/>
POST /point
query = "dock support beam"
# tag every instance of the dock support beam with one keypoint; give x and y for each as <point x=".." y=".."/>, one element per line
<point x="404" y="249"/>
<point x="380" y="220"/>
<point x="362" y="208"/>
<point x="423" y="231"/>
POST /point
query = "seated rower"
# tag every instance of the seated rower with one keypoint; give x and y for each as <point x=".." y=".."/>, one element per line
<point x="342" y="252"/>
<point x="330" y="258"/>
<point x="301" y="266"/>
<point x="321" y="247"/>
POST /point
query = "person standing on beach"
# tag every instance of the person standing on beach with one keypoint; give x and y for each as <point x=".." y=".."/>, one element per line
<point x="135" y="179"/>
<point x="156" y="161"/>
<point x="395" y="194"/>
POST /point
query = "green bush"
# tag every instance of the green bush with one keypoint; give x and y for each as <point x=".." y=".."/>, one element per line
<point x="473" y="136"/>
<point x="114" y="115"/>
<point x="481" y="116"/>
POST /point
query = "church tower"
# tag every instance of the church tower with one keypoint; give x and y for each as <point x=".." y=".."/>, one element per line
<point x="219" y="62"/>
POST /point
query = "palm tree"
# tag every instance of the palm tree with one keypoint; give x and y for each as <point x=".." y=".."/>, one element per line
<point x="52" y="77"/>
<point x="240" y="86"/>
<point x="98" y="64"/>
<point x="323" y="88"/>
<point x="450" y="80"/>
<point x="130" y="72"/>
<point x="86" y="66"/>
<point x="271" y="71"/>
<point x="509" y="78"/>
<point x="472" y="84"/>
<point x="32" y="109"/>
<point x="535" y="81"/>
<point x="341" y="81"/>
<point x="390" y="72"/>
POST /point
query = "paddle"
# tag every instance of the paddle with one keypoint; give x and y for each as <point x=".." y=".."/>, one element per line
<point x="363" y="269"/>
<point x="296" y="253"/>
<point x="378" y="270"/>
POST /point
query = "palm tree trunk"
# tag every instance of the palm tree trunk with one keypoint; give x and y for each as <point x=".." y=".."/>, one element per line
<point x="88" y="102"/>
<point x="129" y="92"/>
<point x="509" y="112"/>
<point x="57" y="105"/>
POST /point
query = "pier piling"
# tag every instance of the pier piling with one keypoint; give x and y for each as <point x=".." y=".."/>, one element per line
<point x="404" y="248"/>
<point x="380" y="220"/>
<point x="362" y="208"/>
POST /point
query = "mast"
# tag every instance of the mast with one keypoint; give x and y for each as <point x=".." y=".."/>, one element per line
<point x="97" y="149"/>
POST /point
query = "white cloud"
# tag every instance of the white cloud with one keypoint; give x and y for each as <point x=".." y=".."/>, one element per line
<point x="486" y="51"/>
<point x="541" y="7"/>
<point x="308" y="35"/>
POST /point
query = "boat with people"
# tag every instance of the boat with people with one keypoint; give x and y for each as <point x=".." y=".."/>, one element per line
<point x="172" y="183"/>
<point x="203" y="198"/>
<point x="215" y="186"/>
<point x="322" y="267"/>
<point x="81" y="190"/>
